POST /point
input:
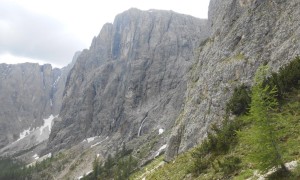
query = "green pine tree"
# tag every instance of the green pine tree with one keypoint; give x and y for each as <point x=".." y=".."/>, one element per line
<point x="96" y="167"/>
<point x="262" y="137"/>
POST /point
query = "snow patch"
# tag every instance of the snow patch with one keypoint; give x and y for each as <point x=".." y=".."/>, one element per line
<point x="39" y="159"/>
<point x="160" y="150"/>
<point x="163" y="147"/>
<point x="36" y="157"/>
<point x="99" y="142"/>
<point x="140" y="128"/>
<point x="47" y="123"/>
<point x="160" y="131"/>
<point x="91" y="139"/>
<point x="51" y="103"/>
<point x="45" y="157"/>
<point x="87" y="173"/>
<point x="25" y="133"/>
<point x="55" y="82"/>
<point x="95" y="144"/>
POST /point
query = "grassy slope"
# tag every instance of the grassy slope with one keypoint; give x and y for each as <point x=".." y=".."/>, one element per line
<point x="179" y="168"/>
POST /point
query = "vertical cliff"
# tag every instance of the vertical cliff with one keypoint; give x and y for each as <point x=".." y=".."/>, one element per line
<point x="131" y="82"/>
<point x="29" y="94"/>
<point x="244" y="35"/>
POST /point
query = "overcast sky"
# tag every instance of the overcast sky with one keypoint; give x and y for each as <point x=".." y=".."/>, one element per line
<point x="51" y="31"/>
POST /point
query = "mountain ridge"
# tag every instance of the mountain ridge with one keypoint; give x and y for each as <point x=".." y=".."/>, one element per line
<point x="244" y="35"/>
<point x="134" y="69"/>
<point x="30" y="94"/>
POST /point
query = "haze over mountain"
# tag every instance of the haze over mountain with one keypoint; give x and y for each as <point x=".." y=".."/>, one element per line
<point x="153" y="80"/>
<point x="30" y="93"/>
<point x="42" y="31"/>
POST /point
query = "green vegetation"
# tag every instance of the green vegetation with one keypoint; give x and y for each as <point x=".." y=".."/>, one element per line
<point x="240" y="101"/>
<point x="262" y="135"/>
<point x="266" y="136"/>
<point x="219" y="142"/>
<point x="14" y="169"/>
<point x="11" y="169"/>
<point x="117" y="167"/>
<point x="175" y="171"/>
<point x="286" y="79"/>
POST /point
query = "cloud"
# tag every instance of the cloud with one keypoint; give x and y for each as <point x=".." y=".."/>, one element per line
<point x="31" y="35"/>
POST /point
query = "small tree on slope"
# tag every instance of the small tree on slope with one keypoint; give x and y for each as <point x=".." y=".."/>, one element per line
<point x="262" y="136"/>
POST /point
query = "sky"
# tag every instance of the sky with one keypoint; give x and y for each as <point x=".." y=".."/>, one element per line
<point x="51" y="31"/>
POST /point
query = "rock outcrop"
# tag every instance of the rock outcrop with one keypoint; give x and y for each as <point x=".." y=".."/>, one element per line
<point x="132" y="81"/>
<point x="29" y="94"/>
<point x="244" y="35"/>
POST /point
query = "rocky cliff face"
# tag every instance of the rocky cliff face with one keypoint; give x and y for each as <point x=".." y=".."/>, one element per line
<point x="132" y="81"/>
<point x="244" y="35"/>
<point x="29" y="94"/>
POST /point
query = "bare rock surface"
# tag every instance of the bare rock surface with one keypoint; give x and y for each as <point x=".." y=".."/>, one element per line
<point x="244" y="35"/>
<point x="29" y="94"/>
<point x="131" y="82"/>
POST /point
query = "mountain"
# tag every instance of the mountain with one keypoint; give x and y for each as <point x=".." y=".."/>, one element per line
<point x="31" y="96"/>
<point x="130" y="84"/>
<point x="244" y="35"/>
<point x="155" y="81"/>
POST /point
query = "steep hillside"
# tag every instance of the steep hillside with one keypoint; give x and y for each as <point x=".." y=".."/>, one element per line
<point x="157" y="80"/>
<point x="225" y="154"/>
<point x="244" y="35"/>
<point x="131" y="82"/>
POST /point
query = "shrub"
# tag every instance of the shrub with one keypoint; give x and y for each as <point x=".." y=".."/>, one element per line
<point x="287" y="78"/>
<point x="218" y="142"/>
<point x="230" y="165"/>
<point x="118" y="167"/>
<point x="240" y="100"/>
<point x="201" y="164"/>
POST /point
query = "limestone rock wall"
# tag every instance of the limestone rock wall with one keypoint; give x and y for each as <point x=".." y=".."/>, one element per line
<point x="131" y="82"/>
<point x="244" y="35"/>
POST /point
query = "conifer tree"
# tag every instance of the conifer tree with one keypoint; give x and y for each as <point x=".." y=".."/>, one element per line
<point x="262" y="136"/>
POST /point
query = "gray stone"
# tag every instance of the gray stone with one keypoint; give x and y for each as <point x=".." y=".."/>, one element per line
<point x="29" y="93"/>
<point x="244" y="35"/>
<point x="131" y="81"/>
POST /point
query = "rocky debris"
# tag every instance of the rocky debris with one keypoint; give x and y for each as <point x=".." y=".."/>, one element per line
<point x="29" y="138"/>
<point x="289" y="165"/>
<point x="131" y="79"/>
<point x="244" y="35"/>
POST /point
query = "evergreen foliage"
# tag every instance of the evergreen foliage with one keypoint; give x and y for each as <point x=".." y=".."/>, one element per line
<point x="117" y="167"/>
<point x="218" y="142"/>
<point x="262" y="136"/>
<point x="11" y="169"/>
<point x="230" y="165"/>
<point x="286" y="79"/>
<point x="269" y="134"/>
<point x="239" y="101"/>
